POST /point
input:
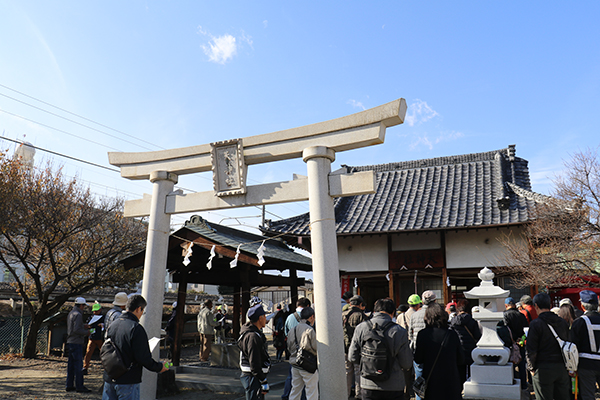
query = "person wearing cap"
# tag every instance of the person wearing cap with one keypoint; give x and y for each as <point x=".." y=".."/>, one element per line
<point x="417" y="323"/>
<point x="566" y="300"/>
<point x="206" y="328"/>
<point x="350" y="320"/>
<point x="254" y="357"/>
<point x="528" y="310"/>
<point x="545" y="361"/>
<point x="516" y="322"/>
<point x="414" y="304"/>
<point x="588" y="346"/>
<point x="96" y="335"/>
<point x="131" y="339"/>
<point x="290" y="323"/>
<point x="346" y="300"/>
<point x="115" y="312"/>
<point x="76" y="333"/>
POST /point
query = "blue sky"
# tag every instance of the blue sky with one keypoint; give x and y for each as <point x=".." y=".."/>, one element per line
<point x="477" y="76"/>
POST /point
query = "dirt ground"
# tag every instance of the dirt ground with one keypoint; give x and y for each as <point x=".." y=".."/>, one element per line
<point x="44" y="378"/>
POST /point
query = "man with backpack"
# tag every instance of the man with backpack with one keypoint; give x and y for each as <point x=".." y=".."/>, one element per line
<point x="528" y="310"/>
<point x="351" y="318"/>
<point x="381" y="349"/>
<point x="115" y="312"/>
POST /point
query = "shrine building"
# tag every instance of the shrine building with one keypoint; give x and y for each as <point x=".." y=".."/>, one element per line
<point x="432" y="224"/>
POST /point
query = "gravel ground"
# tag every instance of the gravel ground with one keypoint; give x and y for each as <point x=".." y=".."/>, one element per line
<point x="44" y="378"/>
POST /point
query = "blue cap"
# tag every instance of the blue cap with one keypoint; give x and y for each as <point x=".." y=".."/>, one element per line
<point x="509" y="300"/>
<point x="255" y="312"/>
<point x="587" y="296"/>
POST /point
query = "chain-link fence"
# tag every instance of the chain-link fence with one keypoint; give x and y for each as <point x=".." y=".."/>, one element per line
<point x="13" y="333"/>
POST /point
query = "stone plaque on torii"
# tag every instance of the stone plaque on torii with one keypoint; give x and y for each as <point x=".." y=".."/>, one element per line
<point x="228" y="160"/>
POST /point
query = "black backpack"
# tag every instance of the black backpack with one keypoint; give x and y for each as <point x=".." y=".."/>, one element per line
<point x="376" y="356"/>
<point x="112" y="361"/>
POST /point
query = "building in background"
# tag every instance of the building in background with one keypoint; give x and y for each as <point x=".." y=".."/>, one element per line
<point x="432" y="224"/>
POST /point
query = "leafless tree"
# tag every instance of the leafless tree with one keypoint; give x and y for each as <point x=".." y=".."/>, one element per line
<point x="561" y="245"/>
<point x="59" y="241"/>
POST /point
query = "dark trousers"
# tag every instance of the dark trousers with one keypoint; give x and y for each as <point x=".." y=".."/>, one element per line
<point x="551" y="381"/>
<point x="587" y="383"/>
<point x="251" y="385"/>
<point x="75" y="366"/>
<point x="382" y="394"/>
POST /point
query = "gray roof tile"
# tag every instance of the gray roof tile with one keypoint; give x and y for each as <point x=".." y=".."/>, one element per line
<point x="439" y="193"/>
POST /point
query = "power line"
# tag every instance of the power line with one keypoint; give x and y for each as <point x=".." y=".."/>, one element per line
<point x="59" y="130"/>
<point x="77" y="115"/>
<point x="61" y="155"/>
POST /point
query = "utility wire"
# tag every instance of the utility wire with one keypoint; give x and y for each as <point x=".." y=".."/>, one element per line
<point x="77" y="115"/>
<point x="59" y="130"/>
<point x="75" y="122"/>
<point x="61" y="155"/>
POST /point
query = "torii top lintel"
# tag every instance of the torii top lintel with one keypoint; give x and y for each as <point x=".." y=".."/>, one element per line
<point x="353" y="131"/>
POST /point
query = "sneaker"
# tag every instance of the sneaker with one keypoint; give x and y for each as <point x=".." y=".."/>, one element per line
<point x="84" y="390"/>
<point x="84" y="371"/>
<point x="70" y="389"/>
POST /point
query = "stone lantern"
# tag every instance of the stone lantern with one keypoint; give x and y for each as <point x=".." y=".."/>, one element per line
<point x="491" y="373"/>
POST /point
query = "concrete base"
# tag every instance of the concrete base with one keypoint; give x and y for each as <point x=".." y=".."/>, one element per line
<point x="492" y="392"/>
<point x="494" y="374"/>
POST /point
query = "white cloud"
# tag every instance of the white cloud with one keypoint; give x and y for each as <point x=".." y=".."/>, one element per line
<point x="265" y="23"/>
<point x="356" y="104"/>
<point x="221" y="49"/>
<point x="423" y="139"/>
<point x="419" y="112"/>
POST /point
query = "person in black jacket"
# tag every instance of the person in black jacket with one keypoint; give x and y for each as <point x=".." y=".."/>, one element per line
<point x="469" y="334"/>
<point x="516" y="322"/>
<point x="442" y="375"/>
<point x="544" y="356"/>
<point x="588" y="371"/>
<point x="132" y="341"/>
<point x="254" y="361"/>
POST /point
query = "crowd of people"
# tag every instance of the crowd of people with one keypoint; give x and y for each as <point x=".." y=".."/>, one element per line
<point x="425" y="342"/>
<point x="388" y="351"/>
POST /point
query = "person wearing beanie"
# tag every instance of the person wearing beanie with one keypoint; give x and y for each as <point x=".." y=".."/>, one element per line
<point x="254" y="357"/>
<point x="118" y="306"/>
<point x="96" y="323"/>
<point x="589" y="355"/>
<point x="76" y="333"/>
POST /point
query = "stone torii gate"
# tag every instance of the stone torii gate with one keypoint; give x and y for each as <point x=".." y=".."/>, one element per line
<point x="317" y="145"/>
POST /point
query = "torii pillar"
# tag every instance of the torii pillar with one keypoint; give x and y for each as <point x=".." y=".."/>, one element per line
<point x="317" y="145"/>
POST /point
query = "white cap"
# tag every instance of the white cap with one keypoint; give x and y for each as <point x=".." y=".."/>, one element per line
<point x="174" y="304"/>
<point x="80" y="300"/>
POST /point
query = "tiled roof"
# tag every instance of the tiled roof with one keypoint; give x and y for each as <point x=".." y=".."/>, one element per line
<point x="274" y="248"/>
<point x="472" y="190"/>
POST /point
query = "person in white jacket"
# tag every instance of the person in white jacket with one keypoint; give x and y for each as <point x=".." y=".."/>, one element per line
<point x="206" y="328"/>
<point x="303" y="336"/>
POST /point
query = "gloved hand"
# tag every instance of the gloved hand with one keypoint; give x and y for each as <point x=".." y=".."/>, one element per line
<point x="264" y="386"/>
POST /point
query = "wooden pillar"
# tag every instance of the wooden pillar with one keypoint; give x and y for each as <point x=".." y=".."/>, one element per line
<point x="293" y="288"/>
<point x="179" y="317"/>
<point x="445" y="288"/>
<point x="236" y="311"/>
<point x="391" y="293"/>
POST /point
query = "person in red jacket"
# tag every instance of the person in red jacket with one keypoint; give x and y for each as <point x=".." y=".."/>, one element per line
<point x="528" y="310"/>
